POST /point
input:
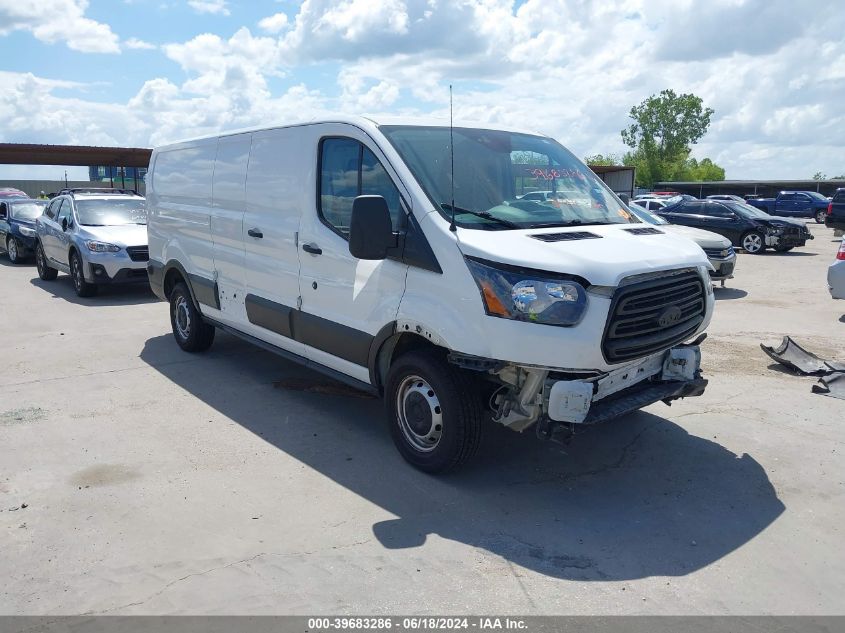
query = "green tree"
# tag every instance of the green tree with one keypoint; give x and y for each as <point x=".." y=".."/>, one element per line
<point x="603" y="159"/>
<point x="664" y="126"/>
<point x="819" y="176"/>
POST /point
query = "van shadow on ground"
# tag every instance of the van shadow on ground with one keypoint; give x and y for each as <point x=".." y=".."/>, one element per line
<point x="635" y="498"/>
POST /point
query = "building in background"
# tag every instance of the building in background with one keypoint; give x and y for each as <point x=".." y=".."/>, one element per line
<point x="120" y="177"/>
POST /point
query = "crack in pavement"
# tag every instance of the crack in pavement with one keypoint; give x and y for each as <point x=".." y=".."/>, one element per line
<point x="219" y="568"/>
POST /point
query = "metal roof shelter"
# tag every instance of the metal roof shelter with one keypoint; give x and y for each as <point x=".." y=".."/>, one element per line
<point x="767" y="188"/>
<point x="81" y="155"/>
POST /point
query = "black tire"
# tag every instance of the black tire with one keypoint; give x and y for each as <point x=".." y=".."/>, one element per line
<point x="753" y="246"/>
<point x="82" y="287"/>
<point x="13" y="250"/>
<point x="821" y="216"/>
<point x="428" y="389"/>
<point x="783" y="249"/>
<point x="44" y="271"/>
<point x="190" y="331"/>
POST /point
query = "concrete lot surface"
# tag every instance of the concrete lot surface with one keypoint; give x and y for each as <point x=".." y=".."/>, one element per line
<point x="158" y="482"/>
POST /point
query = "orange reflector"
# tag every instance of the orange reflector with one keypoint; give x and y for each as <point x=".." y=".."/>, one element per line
<point x="494" y="304"/>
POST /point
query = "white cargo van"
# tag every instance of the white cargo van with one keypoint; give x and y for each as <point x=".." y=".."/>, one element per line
<point x="368" y="250"/>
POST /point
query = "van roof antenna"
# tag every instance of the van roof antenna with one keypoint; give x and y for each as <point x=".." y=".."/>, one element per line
<point x="452" y="226"/>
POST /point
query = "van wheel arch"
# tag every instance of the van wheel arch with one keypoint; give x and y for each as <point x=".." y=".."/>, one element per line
<point x="174" y="274"/>
<point x="392" y="348"/>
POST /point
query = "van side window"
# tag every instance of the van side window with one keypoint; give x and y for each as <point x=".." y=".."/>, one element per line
<point x="3" y="211"/>
<point x="347" y="170"/>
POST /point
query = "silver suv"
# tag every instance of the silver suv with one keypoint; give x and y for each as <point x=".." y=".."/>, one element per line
<point x="98" y="236"/>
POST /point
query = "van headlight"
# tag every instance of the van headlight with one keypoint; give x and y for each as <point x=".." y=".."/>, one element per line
<point x="26" y="231"/>
<point x="528" y="295"/>
<point x="101" y="247"/>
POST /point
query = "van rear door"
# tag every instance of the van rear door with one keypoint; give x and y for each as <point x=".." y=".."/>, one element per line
<point x="345" y="301"/>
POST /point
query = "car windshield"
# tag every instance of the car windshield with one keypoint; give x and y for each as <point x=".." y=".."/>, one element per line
<point x="646" y="216"/>
<point x="28" y="210"/>
<point x="494" y="170"/>
<point x="108" y="212"/>
<point x="747" y="211"/>
<point x="816" y="195"/>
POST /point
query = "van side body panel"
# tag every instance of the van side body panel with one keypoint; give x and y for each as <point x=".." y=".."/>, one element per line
<point x="227" y="218"/>
<point x="179" y="213"/>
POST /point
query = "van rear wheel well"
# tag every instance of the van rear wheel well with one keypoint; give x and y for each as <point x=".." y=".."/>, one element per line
<point x="173" y="277"/>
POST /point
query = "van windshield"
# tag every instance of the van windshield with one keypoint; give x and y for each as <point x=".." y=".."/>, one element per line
<point x="109" y="212"/>
<point x="505" y="180"/>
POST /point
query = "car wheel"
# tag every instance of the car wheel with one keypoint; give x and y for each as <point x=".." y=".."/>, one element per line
<point x="13" y="250"/>
<point x="45" y="272"/>
<point x="821" y="216"/>
<point x="433" y="411"/>
<point x="191" y="332"/>
<point x="82" y="287"/>
<point x="753" y="243"/>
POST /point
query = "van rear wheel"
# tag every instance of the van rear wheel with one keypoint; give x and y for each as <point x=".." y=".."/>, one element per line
<point x="190" y="331"/>
<point x="433" y="410"/>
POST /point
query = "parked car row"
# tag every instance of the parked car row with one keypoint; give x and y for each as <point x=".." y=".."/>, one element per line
<point x="744" y="225"/>
<point x="97" y="236"/>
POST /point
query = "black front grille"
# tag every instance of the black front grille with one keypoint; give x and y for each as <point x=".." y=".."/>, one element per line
<point x="644" y="231"/>
<point x="565" y="237"/>
<point x="138" y="253"/>
<point x="717" y="252"/>
<point x="653" y="315"/>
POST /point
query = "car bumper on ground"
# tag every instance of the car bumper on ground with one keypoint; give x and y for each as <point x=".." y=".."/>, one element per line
<point x="836" y="279"/>
<point x="675" y="373"/>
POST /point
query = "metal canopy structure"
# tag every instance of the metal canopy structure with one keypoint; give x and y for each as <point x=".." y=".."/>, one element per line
<point x="77" y="155"/>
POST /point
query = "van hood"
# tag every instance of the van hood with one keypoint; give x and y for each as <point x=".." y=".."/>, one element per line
<point x="603" y="261"/>
<point x="705" y="239"/>
<point x="120" y="234"/>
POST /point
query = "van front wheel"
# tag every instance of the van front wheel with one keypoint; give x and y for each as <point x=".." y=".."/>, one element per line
<point x="190" y="331"/>
<point x="433" y="411"/>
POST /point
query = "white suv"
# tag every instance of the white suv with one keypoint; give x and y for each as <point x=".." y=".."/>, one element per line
<point x="98" y="236"/>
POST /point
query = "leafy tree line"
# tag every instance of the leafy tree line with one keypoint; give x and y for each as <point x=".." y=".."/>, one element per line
<point x="820" y="176"/>
<point x="663" y="129"/>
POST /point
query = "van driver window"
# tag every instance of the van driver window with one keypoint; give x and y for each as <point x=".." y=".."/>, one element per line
<point x="347" y="170"/>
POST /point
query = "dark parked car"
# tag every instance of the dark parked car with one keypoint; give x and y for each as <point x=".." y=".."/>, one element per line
<point x="17" y="226"/>
<point x="835" y="216"/>
<point x="743" y="225"/>
<point x="799" y="204"/>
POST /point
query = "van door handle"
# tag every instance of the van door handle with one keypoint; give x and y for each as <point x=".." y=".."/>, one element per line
<point x="255" y="233"/>
<point x="312" y="248"/>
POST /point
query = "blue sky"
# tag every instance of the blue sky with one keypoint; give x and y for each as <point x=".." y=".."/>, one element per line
<point x="144" y="72"/>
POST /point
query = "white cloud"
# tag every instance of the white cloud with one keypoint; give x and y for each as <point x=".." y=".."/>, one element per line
<point x="215" y="7"/>
<point x="569" y="69"/>
<point x="275" y="23"/>
<point x="58" y="20"/>
<point x="138" y="44"/>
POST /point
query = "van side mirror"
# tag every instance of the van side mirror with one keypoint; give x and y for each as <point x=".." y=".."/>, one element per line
<point x="370" y="229"/>
<point x="624" y="197"/>
<point x="64" y="224"/>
